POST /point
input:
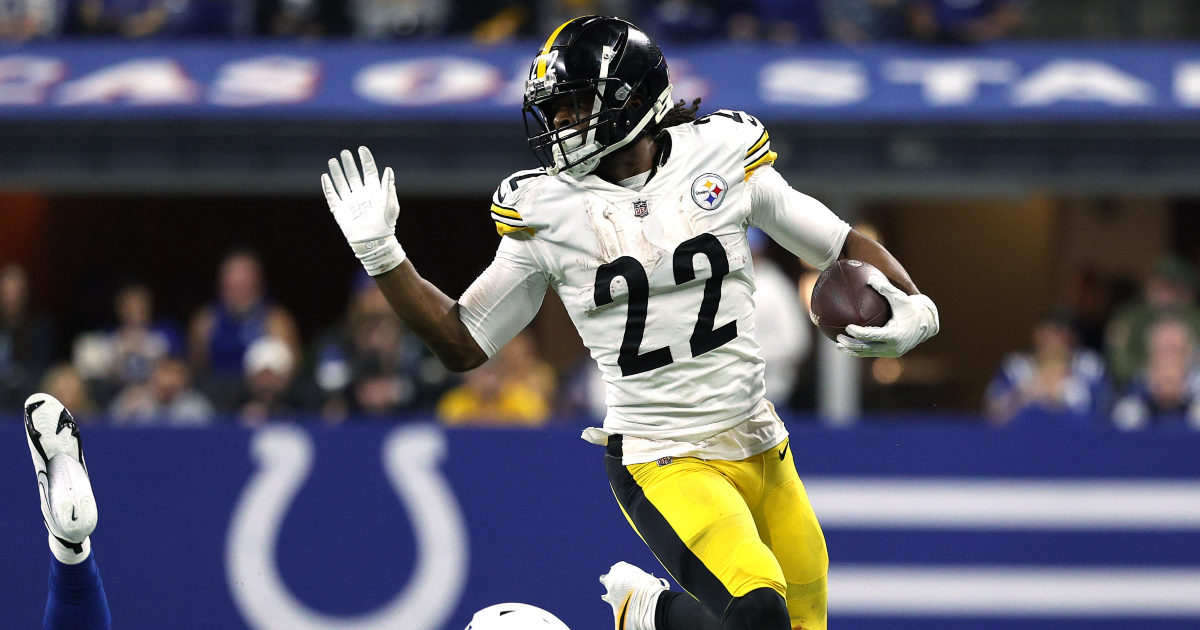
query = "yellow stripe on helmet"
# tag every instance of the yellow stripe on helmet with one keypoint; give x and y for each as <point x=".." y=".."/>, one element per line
<point x="541" y="67"/>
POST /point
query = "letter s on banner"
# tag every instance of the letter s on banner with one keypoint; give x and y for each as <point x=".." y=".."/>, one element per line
<point x="432" y="81"/>
<point x="411" y="457"/>
<point x="815" y="82"/>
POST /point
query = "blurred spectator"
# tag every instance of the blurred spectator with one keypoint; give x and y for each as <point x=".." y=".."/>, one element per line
<point x="683" y="21"/>
<point x="151" y="18"/>
<point x="389" y="19"/>
<point x="513" y="388"/>
<point x="1167" y="390"/>
<point x="26" y="339"/>
<point x="553" y="13"/>
<point x="776" y="21"/>
<point x="303" y="18"/>
<point x="1090" y="299"/>
<point x="858" y="21"/>
<point x="1168" y="292"/>
<point x="21" y="20"/>
<point x="65" y="384"/>
<point x="167" y="398"/>
<point x="963" y="21"/>
<point x="222" y="331"/>
<point x="781" y="326"/>
<point x="583" y="391"/>
<point x="1057" y="378"/>
<point x="494" y="21"/>
<point x="270" y="371"/>
<point x="370" y="364"/>
<point x="110" y="360"/>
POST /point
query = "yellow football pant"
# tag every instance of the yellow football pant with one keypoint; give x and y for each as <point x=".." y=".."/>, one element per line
<point x="725" y="528"/>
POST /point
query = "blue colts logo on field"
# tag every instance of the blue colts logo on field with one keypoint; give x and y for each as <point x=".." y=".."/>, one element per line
<point x="285" y="456"/>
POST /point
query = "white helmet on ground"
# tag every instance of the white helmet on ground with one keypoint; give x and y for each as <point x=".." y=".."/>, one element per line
<point x="515" y="617"/>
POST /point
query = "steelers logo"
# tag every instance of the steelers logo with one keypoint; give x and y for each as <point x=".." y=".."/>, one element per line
<point x="708" y="191"/>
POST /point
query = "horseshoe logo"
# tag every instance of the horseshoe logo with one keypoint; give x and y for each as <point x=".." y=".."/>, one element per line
<point x="411" y="456"/>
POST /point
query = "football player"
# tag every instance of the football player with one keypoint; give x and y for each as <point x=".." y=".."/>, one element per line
<point x="637" y="220"/>
<point x="76" y="600"/>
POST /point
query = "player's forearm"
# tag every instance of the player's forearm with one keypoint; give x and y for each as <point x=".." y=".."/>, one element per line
<point x="433" y="316"/>
<point x="860" y="247"/>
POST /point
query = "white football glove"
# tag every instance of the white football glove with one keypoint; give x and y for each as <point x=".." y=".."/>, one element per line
<point x="366" y="210"/>
<point x="914" y="319"/>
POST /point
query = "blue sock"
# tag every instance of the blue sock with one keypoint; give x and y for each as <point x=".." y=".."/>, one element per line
<point x="77" y="600"/>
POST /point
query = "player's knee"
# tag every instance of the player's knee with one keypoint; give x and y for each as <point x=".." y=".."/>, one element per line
<point x="760" y="609"/>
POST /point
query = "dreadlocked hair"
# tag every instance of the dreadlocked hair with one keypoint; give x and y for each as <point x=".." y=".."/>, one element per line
<point x="679" y="114"/>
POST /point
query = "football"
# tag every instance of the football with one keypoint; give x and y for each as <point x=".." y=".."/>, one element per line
<point x="842" y="297"/>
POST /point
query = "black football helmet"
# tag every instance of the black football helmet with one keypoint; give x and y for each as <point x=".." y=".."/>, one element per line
<point x="599" y="64"/>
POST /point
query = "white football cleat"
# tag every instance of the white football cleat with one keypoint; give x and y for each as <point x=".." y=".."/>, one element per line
<point x="633" y="594"/>
<point x="68" y="505"/>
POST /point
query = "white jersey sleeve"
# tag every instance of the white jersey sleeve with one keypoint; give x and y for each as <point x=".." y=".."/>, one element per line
<point x="803" y="225"/>
<point x="506" y="296"/>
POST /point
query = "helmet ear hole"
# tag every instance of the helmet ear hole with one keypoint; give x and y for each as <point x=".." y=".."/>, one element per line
<point x="626" y="120"/>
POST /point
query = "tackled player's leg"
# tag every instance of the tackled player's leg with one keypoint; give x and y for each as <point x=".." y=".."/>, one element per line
<point x="76" y="600"/>
<point x="701" y="528"/>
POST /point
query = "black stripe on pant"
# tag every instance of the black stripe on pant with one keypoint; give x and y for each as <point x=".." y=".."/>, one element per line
<point x="679" y="561"/>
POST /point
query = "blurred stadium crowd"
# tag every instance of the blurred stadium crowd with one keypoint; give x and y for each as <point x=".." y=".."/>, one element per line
<point x="1105" y="360"/>
<point x="682" y="21"/>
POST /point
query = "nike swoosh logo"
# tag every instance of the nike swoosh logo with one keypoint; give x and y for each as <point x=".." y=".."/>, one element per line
<point x="783" y="453"/>
<point x="73" y="518"/>
<point x="624" y="610"/>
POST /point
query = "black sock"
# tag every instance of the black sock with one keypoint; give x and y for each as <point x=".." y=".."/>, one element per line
<point x="680" y="611"/>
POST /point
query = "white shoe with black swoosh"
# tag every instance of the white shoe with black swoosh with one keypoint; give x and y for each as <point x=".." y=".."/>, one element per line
<point x="633" y="595"/>
<point x="68" y="505"/>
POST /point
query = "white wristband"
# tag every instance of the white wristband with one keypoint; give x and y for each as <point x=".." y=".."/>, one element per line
<point x="380" y="255"/>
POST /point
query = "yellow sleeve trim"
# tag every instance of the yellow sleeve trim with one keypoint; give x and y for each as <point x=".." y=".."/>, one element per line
<point x="503" y="229"/>
<point x="506" y="212"/>
<point x="769" y="158"/>
<point x="758" y="145"/>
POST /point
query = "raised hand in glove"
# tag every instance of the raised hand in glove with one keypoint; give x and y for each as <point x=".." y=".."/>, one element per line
<point x="366" y="209"/>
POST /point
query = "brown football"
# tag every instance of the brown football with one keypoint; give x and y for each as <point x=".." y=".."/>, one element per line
<point x="842" y="297"/>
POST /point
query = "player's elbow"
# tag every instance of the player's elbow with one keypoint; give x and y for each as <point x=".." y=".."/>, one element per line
<point x="465" y="360"/>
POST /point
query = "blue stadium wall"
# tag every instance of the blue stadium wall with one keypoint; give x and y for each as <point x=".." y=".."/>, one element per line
<point x="412" y="527"/>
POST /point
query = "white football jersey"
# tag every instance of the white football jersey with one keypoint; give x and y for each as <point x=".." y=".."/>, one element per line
<point x="659" y="282"/>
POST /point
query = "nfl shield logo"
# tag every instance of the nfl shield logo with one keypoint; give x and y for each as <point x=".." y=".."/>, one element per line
<point x="665" y="461"/>
<point x="640" y="210"/>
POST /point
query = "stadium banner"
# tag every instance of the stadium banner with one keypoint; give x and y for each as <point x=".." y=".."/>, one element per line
<point x="462" y="82"/>
<point x="413" y="527"/>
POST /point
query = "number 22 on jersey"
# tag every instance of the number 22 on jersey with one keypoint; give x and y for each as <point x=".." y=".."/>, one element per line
<point x="704" y="338"/>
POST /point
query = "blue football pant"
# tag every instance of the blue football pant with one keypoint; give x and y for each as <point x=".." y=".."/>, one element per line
<point x="76" y="600"/>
